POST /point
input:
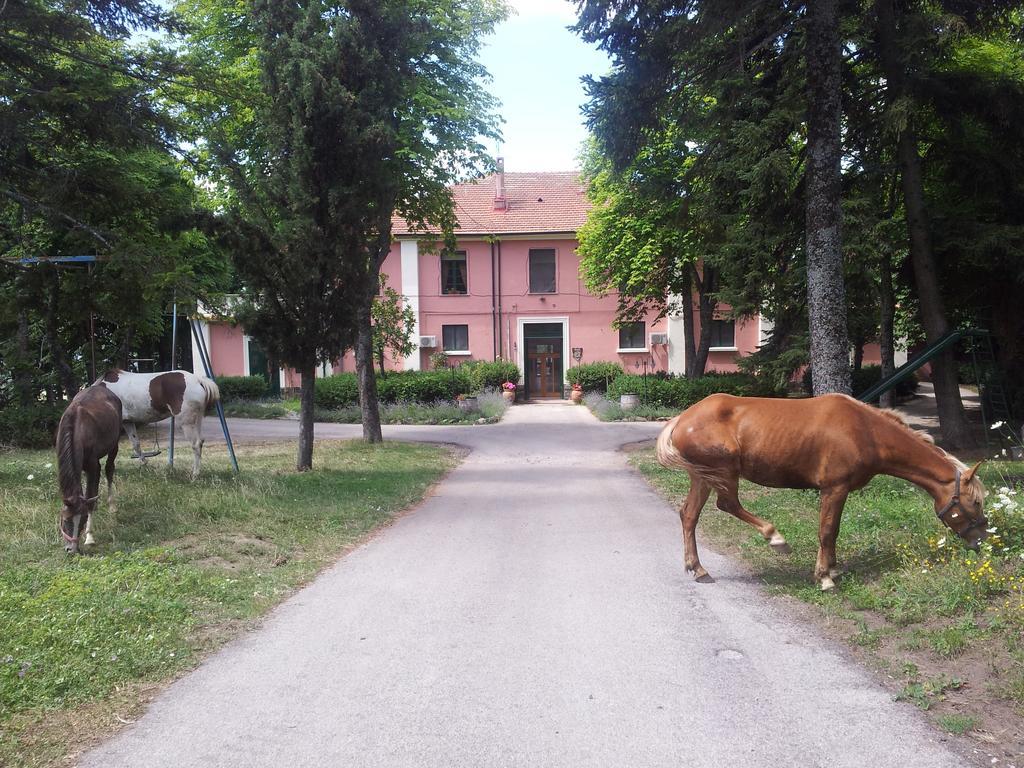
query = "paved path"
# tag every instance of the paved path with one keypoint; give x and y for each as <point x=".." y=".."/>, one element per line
<point x="532" y="612"/>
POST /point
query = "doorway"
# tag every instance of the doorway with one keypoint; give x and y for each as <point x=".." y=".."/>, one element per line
<point x="544" y="368"/>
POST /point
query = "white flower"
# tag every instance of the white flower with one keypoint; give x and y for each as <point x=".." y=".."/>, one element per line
<point x="31" y="477"/>
<point x="942" y="542"/>
<point x="992" y="529"/>
<point x="49" y="465"/>
<point x="997" y="425"/>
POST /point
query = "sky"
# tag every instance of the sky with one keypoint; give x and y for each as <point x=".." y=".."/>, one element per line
<point x="537" y="64"/>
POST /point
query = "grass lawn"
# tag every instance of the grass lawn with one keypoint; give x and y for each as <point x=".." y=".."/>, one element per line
<point x="182" y="568"/>
<point x="942" y="623"/>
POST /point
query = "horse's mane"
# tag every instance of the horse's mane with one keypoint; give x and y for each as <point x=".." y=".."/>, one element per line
<point x="69" y="468"/>
<point x="900" y="419"/>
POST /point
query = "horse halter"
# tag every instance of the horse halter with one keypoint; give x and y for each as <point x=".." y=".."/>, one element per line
<point x="955" y="503"/>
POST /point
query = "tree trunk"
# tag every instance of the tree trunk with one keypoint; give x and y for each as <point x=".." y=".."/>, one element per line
<point x="23" y="365"/>
<point x="66" y="376"/>
<point x="826" y="293"/>
<point x="367" y="380"/>
<point x="886" y="321"/>
<point x="858" y="353"/>
<point x="952" y="421"/>
<point x="689" y="345"/>
<point x="706" y="287"/>
<point x="307" y="399"/>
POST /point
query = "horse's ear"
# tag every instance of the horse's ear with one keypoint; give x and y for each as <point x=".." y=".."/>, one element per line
<point x="969" y="476"/>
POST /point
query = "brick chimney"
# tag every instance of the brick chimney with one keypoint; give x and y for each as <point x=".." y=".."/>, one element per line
<point x="500" y="204"/>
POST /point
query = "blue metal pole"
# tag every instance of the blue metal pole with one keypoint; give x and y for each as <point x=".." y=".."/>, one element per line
<point x="204" y="355"/>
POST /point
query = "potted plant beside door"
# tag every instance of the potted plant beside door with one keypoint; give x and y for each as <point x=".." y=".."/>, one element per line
<point x="508" y="391"/>
<point x="576" y="395"/>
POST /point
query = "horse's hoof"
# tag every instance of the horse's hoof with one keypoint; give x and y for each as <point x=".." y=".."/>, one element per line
<point x="827" y="584"/>
<point x="704" y="578"/>
<point x="781" y="547"/>
<point x="89" y="540"/>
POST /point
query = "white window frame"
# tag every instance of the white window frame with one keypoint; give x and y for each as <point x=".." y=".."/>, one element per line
<point x="465" y="351"/>
<point x="441" y="259"/>
<point x="628" y="350"/>
<point x="529" y="272"/>
<point x="733" y="348"/>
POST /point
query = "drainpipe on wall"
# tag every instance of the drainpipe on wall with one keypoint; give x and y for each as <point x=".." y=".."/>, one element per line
<point x="495" y="322"/>
<point x="501" y="344"/>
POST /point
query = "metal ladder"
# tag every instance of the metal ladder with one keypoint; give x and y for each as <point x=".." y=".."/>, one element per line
<point x="995" y="406"/>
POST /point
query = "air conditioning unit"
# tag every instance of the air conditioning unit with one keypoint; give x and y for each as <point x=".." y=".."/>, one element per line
<point x="428" y="342"/>
<point x="659" y="338"/>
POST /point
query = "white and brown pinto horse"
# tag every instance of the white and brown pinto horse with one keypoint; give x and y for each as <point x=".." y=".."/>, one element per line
<point x="149" y="397"/>
<point x="832" y="443"/>
<point x="89" y="429"/>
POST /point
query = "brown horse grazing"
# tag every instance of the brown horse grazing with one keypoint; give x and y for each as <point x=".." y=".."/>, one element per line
<point x="833" y="443"/>
<point x="89" y="430"/>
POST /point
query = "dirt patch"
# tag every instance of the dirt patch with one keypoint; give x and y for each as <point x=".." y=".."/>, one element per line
<point x="59" y="737"/>
<point x="999" y="734"/>
<point x="226" y="551"/>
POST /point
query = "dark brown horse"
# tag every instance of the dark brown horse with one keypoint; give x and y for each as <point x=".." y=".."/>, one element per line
<point x="832" y="443"/>
<point x="89" y="430"/>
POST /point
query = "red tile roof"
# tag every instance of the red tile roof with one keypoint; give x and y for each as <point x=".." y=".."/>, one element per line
<point x="536" y="203"/>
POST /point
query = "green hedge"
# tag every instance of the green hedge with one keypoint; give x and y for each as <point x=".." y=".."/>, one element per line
<point x="681" y="392"/>
<point x="423" y="386"/>
<point x="491" y="375"/>
<point x="33" y="426"/>
<point x="342" y="389"/>
<point x="338" y="391"/>
<point x="594" y="377"/>
<point x="241" y="387"/>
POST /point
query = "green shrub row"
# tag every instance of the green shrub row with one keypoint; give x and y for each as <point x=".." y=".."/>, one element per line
<point x="594" y="377"/>
<point x="33" y="426"/>
<point x="342" y="389"/>
<point x="338" y="391"/>
<point x="681" y="392"/>
<point x="241" y="387"/>
<point x="492" y="374"/>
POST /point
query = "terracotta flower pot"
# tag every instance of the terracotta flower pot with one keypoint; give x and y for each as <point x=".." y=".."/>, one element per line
<point x="509" y="395"/>
<point x="576" y="395"/>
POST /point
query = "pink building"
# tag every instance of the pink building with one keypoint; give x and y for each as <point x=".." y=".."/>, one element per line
<point x="511" y="289"/>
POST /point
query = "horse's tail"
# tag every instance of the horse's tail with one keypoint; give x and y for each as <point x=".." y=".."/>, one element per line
<point x="668" y="455"/>
<point x="211" y="388"/>
<point x="69" y="461"/>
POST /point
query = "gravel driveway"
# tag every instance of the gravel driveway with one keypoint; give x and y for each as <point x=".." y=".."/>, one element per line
<point x="532" y="612"/>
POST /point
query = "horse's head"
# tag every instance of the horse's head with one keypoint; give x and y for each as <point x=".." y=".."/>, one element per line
<point x="74" y="514"/>
<point x="963" y="512"/>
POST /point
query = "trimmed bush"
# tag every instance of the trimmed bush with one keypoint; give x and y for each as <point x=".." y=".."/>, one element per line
<point x="423" y="386"/>
<point x="33" y="426"/>
<point x="338" y="391"/>
<point x="681" y="392"/>
<point x="491" y="375"/>
<point x="342" y="389"/>
<point x="594" y="377"/>
<point x="241" y="387"/>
